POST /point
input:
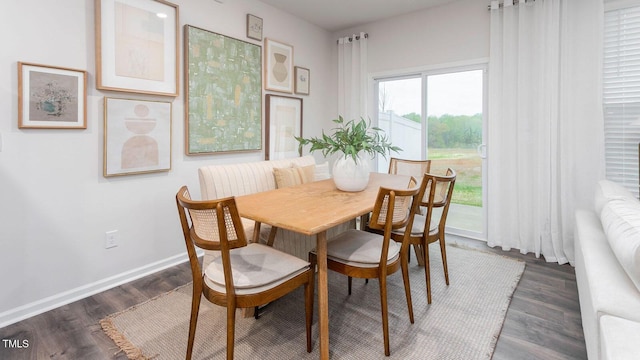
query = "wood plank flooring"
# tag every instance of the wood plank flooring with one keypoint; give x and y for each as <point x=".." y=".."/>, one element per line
<point x="543" y="320"/>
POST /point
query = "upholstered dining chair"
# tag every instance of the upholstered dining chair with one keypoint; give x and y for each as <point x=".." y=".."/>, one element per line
<point x="243" y="275"/>
<point x="435" y="192"/>
<point x="417" y="169"/>
<point x="368" y="255"/>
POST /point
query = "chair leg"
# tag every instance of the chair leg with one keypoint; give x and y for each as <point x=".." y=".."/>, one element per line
<point x="419" y="256"/>
<point x="404" y="264"/>
<point x="193" y="321"/>
<point x="309" y="289"/>
<point x="443" y="251"/>
<point x="349" y="284"/>
<point x="231" y="329"/>
<point x="427" y="270"/>
<point x="385" y="317"/>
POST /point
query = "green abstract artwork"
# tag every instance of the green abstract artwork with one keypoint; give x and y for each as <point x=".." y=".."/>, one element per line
<point x="223" y="93"/>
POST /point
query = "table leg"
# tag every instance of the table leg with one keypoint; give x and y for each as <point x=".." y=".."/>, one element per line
<point x="323" y="294"/>
<point x="272" y="235"/>
<point x="256" y="232"/>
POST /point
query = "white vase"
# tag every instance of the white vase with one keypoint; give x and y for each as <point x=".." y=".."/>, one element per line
<point x="350" y="175"/>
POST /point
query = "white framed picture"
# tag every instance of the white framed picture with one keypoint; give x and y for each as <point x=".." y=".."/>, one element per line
<point x="137" y="136"/>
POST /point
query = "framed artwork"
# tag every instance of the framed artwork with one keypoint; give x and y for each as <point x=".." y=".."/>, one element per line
<point x="137" y="46"/>
<point x="303" y="80"/>
<point x="51" y="97"/>
<point x="283" y="123"/>
<point x="254" y="27"/>
<point x="278" y="66"/>
<point x="223" y="93"/>
<point x="137" y="136"/>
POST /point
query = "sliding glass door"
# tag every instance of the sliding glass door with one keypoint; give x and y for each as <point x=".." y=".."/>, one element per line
<point x="440" y="116"/>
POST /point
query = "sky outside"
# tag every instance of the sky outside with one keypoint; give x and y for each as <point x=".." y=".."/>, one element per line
<point x="454" y="93"/>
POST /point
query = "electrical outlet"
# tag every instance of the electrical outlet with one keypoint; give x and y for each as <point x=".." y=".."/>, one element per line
<point x="111" y="239"/>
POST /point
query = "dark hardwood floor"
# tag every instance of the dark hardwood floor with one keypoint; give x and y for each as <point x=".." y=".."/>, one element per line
<point x="543" y="321"/>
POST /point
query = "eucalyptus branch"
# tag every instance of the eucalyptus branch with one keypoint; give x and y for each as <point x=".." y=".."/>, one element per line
<point x="350" y="139"/>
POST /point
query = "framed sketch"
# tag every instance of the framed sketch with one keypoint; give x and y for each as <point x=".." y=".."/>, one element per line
<point x="283" y="123"/>
<point x="137" y="136"/>
<point x="303" y="78"/>
<point x="51" y="97"/>
<point x="223" y="93"/>
<point x="254" y="27"/>
<point x="137" y="46"/>
<point x="278" y="66"/>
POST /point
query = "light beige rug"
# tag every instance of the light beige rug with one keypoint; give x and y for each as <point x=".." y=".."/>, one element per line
<point x="463" y="322"/>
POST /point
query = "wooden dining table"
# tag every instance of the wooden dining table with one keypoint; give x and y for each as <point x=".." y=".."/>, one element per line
<point x="312" y="209"/>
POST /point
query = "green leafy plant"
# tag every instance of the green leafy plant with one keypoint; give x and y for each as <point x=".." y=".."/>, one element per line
<point x="350" y="138"/>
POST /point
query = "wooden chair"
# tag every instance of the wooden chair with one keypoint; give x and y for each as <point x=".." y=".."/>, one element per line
<point x="244" y="275"/>
<point x="367" y="255"/>
<point x="435" y="192"/>
<point x="415" y="168"/>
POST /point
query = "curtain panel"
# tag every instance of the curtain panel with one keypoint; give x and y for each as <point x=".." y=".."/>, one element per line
<point x="545" y="130"/>
<point x="352" y="76"/>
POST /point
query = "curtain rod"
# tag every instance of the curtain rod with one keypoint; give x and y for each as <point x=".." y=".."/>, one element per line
<point x="366" y="35"/>
<point x="513" y="2"/>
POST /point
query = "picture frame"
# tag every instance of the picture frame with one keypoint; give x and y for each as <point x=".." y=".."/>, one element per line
<point x="303" y="80"/>
<point x="283" y="122"/>
<point x="51" y="97"/>
<point x="223" y="93"/>
<point x="137" y="46"/>
<point x="254" y="27"/>
<point x="278" y="66"/>
<point x="137" y="136"/>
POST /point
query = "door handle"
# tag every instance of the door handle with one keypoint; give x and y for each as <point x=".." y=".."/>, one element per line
<point x="482" y="151"/>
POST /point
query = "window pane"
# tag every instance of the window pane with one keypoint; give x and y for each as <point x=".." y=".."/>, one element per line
<point x="399" y="107"/>
<point x="621" y="96"/>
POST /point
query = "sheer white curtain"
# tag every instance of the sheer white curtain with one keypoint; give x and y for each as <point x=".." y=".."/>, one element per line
<point x="352" y="76"/>
<point x="546" y="149"/>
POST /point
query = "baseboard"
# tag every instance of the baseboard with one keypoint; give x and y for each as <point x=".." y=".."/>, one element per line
<point x="38" y="307"/>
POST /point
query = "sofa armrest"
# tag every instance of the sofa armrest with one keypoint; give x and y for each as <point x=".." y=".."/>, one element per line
<point x="603" y="285"/>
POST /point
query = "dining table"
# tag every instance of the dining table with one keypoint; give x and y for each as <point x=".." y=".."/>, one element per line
<point x="313" y="208"/>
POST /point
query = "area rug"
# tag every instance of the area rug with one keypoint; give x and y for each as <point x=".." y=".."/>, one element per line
<point x="463" y="321"/>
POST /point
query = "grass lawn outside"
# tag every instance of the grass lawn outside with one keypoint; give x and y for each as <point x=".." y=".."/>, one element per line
<point x="468" y="167"/>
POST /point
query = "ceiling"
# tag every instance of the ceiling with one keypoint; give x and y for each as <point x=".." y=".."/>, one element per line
<point x="334" y="15"/>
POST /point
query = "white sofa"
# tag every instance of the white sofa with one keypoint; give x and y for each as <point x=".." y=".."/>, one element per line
<point x="607" y="250"/>
<point x="219" y="181"/>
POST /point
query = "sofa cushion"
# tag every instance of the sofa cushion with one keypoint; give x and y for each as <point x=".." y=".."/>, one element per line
<point x="608" y="190"/>
<point x="621" y="222"/>
<point x="620" y="338"/>
<point x="292" y="176"/>
<point x="322" y="171"/>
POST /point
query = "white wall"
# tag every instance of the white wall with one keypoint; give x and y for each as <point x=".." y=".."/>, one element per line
<point x="55" y="205"/>
<point x="446" y="34"/>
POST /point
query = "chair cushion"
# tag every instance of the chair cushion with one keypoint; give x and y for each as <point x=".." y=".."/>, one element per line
<point x="621" y="222"/>
<point x="418" y="224"/>
<point x="360" y="248"/>
<point x="292" y="176"/>
<point x="256" y="265"/>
